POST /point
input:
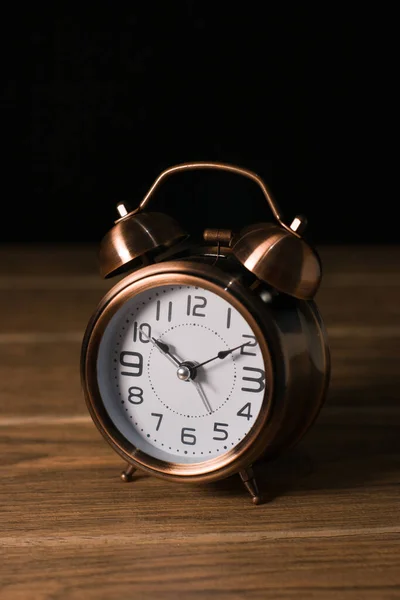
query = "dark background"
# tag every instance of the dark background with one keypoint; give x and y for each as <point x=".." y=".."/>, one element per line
<point x="98" y="100"/>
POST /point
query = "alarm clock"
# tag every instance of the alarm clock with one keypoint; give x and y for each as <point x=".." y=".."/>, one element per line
<point x="206" y="356"/>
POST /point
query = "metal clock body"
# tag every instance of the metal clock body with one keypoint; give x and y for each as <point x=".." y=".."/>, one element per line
<point x="193" y="366"/>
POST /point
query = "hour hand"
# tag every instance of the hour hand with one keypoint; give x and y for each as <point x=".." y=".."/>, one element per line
<point x="164" y="348"/>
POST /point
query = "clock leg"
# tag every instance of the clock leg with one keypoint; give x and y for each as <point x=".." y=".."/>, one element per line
<point x="127" y="474"/>
<point x="250" y="483"/>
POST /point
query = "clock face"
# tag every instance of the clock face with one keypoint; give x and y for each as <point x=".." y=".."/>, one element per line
<point x="153" y="382"/>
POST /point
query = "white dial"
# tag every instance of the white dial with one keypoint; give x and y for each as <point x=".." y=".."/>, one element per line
<point x="157" y="390"/>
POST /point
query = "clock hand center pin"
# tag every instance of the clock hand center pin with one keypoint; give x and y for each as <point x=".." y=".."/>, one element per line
<point x="186" y="370"/>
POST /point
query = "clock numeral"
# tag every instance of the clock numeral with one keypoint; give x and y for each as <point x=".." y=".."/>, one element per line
<point x="245" y="411"/>
<point x="136" y="364"/>
<point x="158" y="311"/>
<point x="228" y="318"/>
<point x="159" y="417"/>
<point x="194" y="310"/>
<point x="249" y="345"/>
<point x="143" y="332"/>
<point x="169" y="311"/>
<point x="188" y="438"/>
<point x="260" y="380"/>
<point x="218" y="428"/>
<point x="135" y="392"/>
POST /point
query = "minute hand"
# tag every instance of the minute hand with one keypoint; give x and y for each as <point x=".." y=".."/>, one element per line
<point x="221" y="355"/>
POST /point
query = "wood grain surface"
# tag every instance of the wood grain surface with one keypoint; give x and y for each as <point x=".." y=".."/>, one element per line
<point x="70" y="529"/>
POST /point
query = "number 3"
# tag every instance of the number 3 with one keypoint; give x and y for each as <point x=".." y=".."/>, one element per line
<point x="260" y="380"/>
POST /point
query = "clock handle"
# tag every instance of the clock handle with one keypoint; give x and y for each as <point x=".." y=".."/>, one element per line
<point x="297" y="224"/>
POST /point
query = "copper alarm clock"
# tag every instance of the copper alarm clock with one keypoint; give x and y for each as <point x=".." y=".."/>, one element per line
<point x="205" y="357"/>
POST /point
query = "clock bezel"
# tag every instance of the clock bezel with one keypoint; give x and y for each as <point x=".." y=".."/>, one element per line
<point x="226" y="286"/>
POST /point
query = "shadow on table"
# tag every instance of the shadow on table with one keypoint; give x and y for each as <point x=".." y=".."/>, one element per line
<point x="348" y="447"/>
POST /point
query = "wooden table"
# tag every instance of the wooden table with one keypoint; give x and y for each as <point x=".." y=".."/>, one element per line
<point x="69" y="528"/>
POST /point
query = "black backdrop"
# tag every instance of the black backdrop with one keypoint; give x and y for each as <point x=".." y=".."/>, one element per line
<point x="98" y="100"/>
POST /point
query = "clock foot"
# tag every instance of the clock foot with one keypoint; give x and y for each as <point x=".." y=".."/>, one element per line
<point x="127" y="475"/>
<point x="250" y="483"/>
